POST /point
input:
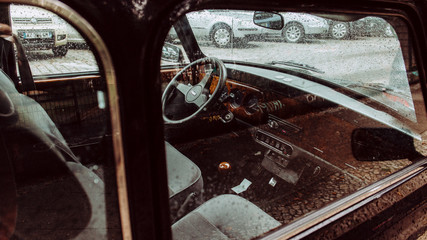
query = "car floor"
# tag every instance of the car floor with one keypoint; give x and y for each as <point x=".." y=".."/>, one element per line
<point x="244" y="156"/>
<point x="285" y="202"/>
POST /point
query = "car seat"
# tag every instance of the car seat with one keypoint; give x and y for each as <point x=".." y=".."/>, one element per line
<point x="184" y="181"/>
<point x="49" y="193"/>
<point x="224" y="217"/>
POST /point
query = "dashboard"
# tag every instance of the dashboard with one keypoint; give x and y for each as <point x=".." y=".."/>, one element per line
<point x="290" y="116"/>
<point x="280" y="125"/>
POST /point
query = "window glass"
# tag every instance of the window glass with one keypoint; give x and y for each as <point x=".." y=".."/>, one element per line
<point x="52" y="45"/>
<point x="283" y="121"/>
<point x="321" y="46"/>
<point x="58" y="172"/>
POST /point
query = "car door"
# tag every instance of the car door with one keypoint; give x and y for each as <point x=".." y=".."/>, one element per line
<point x="57" y="148"/>
<point x="201" y="22"/>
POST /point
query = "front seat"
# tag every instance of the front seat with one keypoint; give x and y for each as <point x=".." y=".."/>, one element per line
<point x="184" y="181"/>
<point x="48" y="192"/>
<point x="224" y="217"/>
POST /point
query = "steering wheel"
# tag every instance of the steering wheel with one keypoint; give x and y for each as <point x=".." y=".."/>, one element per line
<point x="195" y="94"/>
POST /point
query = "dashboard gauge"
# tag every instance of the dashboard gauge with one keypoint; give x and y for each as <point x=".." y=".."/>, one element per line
<point x="251" y="104"/>
<point x="236" y="98"/>
<point x="310" y="98"/>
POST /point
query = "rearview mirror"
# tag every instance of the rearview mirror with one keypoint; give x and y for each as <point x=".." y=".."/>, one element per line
<point x="269" y="20"/>
<point x="379" y="144"/>
<point x="171" y="53"/>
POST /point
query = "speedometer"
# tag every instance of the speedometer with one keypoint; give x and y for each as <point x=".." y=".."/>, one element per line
<point x="236" y="98"/>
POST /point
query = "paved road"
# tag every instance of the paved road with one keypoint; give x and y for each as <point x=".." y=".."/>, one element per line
<point x="76" y="60"/>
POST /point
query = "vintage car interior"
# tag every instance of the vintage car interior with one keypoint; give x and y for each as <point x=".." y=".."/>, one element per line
<point x="262" y="139"/>
<point x="287" y="136"/>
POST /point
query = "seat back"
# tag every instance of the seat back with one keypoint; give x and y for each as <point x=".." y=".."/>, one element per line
<point x="45" y="190"/>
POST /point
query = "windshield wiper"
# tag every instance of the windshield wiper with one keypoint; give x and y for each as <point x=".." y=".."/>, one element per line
<point x="297" y="65"/>
<point x="377" y="87"/>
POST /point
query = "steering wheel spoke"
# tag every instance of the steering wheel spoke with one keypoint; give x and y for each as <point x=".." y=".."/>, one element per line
<point x="183" y="88"/>
<point x="205" y="78"/>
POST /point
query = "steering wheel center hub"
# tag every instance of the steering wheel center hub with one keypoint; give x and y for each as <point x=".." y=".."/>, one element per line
<point x="193" y="93"/>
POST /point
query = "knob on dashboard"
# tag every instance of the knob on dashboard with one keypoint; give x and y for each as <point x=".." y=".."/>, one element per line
<point x="224" y="167"/>
<point x="273" y="124"/>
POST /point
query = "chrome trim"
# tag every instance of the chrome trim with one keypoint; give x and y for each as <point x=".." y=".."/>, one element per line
<point x="320" y="218"/>
<point x="79" y="22"/>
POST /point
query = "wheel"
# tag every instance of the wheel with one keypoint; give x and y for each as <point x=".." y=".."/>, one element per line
<point x="60" y="51"/>
<point x="222" y="36"/>
<point x="293" y="33"/>
<point x="193" y="98"/>
<point x="339" y="30"/>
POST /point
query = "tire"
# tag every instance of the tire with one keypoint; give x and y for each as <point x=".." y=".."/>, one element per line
<point x="339" y="30"/>
<point x="293" y="33"/>
<point x="60" y="51"/>
<point x="222" y="36"/>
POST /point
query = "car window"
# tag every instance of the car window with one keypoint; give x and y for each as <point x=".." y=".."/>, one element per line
<point x="340" y="52"/>
<point x="58" y="171"/>
<point x="290" y="120"/>
<point x="52" y="45"/>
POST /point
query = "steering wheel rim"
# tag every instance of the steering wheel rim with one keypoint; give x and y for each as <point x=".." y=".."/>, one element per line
<point x="194" y="94"/>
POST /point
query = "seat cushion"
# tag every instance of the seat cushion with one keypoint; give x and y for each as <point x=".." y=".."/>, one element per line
<point x="182" y="172"/>
<point x="231" y="216"/>
<point x="68" y="207"/>
<point x="195" y="226"/>
<point x="185" y="182"/>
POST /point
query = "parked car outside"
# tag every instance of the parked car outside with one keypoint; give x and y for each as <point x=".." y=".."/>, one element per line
<point x="39" y="29"/>
<point x="365" y="27"/>
<point x="372" y="26"/>
<point x="298" y="26"/>
<point x="224" y="28"/>
<point x="74" y="39"/>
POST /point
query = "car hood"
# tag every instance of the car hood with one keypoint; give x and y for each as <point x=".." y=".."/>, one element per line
<point x="17" y="11"/>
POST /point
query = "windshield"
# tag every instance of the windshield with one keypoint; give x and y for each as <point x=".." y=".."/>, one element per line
<point x="364" y="56"/>
<point x="293" y="120"/>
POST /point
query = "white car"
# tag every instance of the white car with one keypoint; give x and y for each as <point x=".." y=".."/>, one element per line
<point x="224" y="28"/>
<point x="297" y="26"/>
<point x="74" y="39"/>
<point x="39" y="29"/>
